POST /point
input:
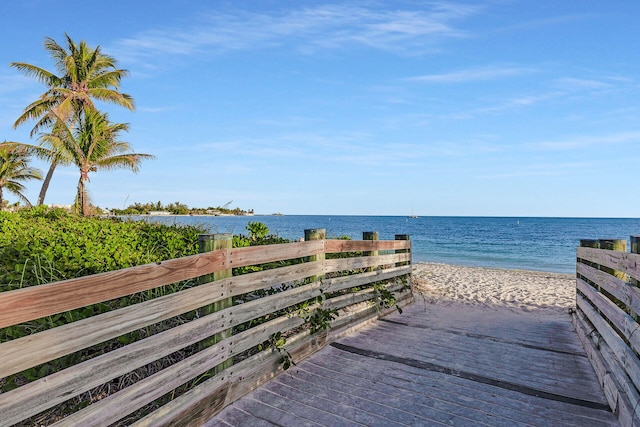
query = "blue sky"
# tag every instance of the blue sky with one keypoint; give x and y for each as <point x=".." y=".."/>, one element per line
<point x="499" y="108"/>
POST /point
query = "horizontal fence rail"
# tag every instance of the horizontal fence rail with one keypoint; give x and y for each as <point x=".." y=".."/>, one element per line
<point x="606" y="319"/>
<point x="180" y="339"/>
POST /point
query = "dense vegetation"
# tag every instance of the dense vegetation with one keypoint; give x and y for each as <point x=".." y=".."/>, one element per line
<point x="42" y="245"/>
<point x="177" y="208"/>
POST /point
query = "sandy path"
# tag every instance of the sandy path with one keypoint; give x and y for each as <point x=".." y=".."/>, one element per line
<point x="494" y="288"/>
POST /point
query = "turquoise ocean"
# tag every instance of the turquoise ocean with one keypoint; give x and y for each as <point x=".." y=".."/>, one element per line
<point x="541" y="244"/>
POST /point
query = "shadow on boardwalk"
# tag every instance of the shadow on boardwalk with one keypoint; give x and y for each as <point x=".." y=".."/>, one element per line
<point x="437" y="365"/>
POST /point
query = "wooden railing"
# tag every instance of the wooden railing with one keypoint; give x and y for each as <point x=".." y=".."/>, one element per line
<point x="606" y="319"/>
<point x="232" y="347"/>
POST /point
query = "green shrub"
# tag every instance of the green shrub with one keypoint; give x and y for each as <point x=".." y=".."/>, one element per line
<point x="43" y="245"/>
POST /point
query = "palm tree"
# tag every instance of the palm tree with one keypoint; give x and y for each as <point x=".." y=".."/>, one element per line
<point x="84" y="75"/>
<point x="92" y="145"/>
<point x="14" y="168"/>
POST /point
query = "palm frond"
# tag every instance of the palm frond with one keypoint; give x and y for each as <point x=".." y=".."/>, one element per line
<point x="56" y="52"/>
<point x="38" y="73"/>
<point x="129" y="161"/>
<point x="113" y="97"/>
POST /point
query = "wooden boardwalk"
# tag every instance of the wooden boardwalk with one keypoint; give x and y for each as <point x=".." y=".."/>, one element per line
<point x="437" y="365"/>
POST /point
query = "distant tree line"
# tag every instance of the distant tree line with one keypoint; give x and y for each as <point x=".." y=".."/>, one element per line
<point x="177" y="208"/>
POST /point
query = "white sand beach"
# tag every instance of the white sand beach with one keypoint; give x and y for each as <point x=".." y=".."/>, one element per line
<point x="517" y="290"/>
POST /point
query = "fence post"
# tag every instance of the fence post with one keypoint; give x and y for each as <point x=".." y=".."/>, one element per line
<point x="619" y="245"/>
<point x="316" y="234"/>
<point x="589" y="243"/>
<point x="635" y="248"/>
<point x="209" y="243"/>
<point x="402" y="251"/>
<point x="370" y="235"/>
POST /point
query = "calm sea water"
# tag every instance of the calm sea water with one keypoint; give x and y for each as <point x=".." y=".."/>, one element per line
<point x="542" y="244"/>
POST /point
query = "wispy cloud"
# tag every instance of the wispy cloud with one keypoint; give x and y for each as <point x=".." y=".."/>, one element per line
<point x="588" y="141"/>
<point x="403" y="31"/>
<point x="473" y="74"/>
<point x="569" y="83"/>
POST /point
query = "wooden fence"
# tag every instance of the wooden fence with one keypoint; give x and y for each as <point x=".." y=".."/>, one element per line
<point x="606" y="319"/>
<point x="213" y="341"/>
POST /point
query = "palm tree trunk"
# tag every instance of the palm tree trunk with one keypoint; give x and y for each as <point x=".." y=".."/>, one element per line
<point x="83" y="208"/>
<point x="79" y="197"/>
<point x="46" y="182"/>
<point x="1" y="205"/>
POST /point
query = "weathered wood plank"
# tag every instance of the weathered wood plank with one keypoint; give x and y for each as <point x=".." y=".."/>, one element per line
<point x="35" y="302"/>
<point x="193" y="408"/>
<point x="36" y="349"/>
<point x="39" y="348"/>
<point x="393" y="391"/>
<point x="629" y="295"/>
<point x="56" y="388"/>
<point x="622" y="395"/>
<point x="336" y="246"/>
<point x="621" y="320"/>
<point x="251" y="373"/>
<point x="345" y="282"/>
<point x="620" y="359"/>
<point x="53" y="389"/>
<point x="341" y="264"/>
<point x="259" y="334"/>
<point x="460" y="376"/>
<point x="407" y="407"/>
<point x="535" y="368"/>
<point x="128" y="400"/>
<point x="265" y="279"/>
<point x="118" y="405"/>
<point x="349" y="299"/>
<point x="407" y="386"/>
<point x="194" y="405"/>
<point x="253" y="255"/>
<point x="26" y="352"/>
<point x="244" y="376"/>
<point x="357" y="297"/>
<point x="622" y="261"/>
<point x="591" y="342"/>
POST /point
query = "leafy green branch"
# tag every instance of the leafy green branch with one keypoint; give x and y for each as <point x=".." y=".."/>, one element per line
<point x="276" y="343"/>
<point x="384" y="298"/>
<point x="313" y="313"/>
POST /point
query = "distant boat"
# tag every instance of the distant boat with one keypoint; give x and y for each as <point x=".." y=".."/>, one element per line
<point x="412" y="215"/>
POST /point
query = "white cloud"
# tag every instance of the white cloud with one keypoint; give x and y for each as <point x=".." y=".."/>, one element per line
<point x="473" y="75"/>
<point x="305" y="29"/>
